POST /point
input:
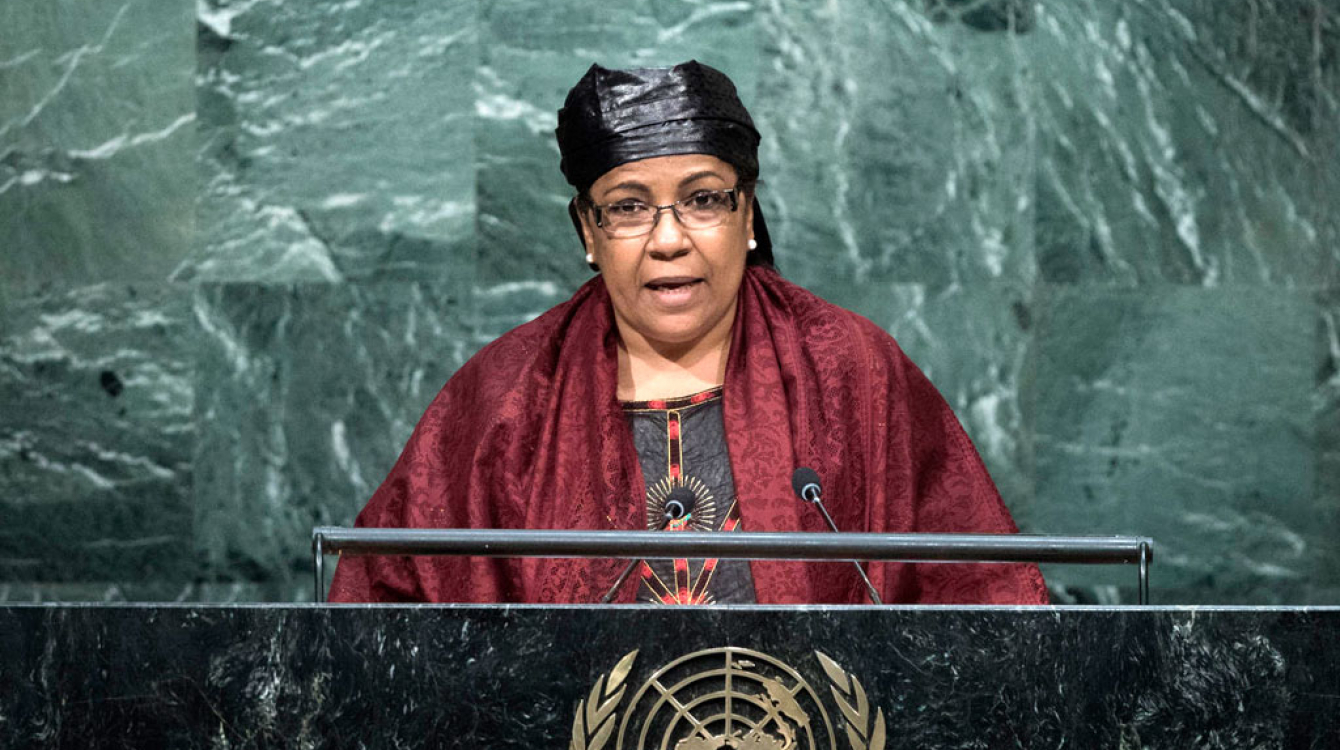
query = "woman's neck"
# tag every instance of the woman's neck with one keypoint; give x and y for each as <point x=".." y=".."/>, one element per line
<point x="648" y="373"/>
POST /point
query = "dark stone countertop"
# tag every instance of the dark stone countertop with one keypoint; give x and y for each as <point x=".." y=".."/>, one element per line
<point x="374" y="676"/>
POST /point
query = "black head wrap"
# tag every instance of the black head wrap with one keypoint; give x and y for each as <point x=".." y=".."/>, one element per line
<point x="612" y="117"/>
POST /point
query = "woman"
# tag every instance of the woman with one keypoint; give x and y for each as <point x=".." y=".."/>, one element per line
<point x="687" y="371"/>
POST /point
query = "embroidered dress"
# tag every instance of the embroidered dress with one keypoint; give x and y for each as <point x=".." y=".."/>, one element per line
<point x="682" y="443"/>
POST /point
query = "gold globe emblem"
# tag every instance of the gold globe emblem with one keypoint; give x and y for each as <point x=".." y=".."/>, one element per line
<point x="725" y="698"/>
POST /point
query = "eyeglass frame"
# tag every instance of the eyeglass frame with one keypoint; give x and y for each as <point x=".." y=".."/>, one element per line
<point x="733" y="192"/>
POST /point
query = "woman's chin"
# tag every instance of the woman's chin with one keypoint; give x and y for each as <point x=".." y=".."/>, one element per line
<point x="676" y="333"/>
<point x="680" y="338"/>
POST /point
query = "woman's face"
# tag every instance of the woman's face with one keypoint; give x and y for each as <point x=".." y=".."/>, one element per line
<point x="672" y="289"/>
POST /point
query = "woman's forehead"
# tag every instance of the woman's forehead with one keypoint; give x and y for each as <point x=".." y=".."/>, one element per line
<point x="664" y="172"/>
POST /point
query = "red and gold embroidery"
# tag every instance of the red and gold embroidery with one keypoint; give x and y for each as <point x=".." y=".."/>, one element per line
<point x="687" y="585"/>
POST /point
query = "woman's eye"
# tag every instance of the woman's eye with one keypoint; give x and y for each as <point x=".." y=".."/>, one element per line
<point x="626" y="208"/>
<point x="705" y="199"/>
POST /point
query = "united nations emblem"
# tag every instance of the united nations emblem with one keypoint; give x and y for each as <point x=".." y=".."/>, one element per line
<point x="725" y="698"/>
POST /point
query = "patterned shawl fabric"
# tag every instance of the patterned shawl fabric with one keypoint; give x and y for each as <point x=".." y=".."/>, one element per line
<point x="530" y="434"/>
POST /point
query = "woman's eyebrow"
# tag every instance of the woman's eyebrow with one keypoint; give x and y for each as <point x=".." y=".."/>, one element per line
<point x="698" y="176"/>
<point x="626" y="185"/>
<point x="640" y="187"/>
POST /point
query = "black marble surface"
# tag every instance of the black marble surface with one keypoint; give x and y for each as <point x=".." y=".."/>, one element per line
<point x="455" y="676"/>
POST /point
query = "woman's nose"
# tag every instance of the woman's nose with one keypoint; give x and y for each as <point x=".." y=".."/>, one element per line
<point x="667" y="234"/>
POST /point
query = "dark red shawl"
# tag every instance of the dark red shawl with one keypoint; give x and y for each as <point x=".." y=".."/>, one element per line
<point x="529" y="434"/>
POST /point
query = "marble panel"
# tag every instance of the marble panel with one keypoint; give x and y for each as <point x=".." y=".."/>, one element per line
<point x="1184" y="414"/>
<point x="975" y="344"/>
<point x="1187" y="141"/>
<point x="96" y="435"/>
<point x="306" y="395"/>
<point x="925" y="163"/>
<point x="514" y="677"/>
<point x="898" y="144"/>
<point x="140" y="590"/>
<point x="336" y="141"/>
<point x="96" y="134"/>
<point x="531" y="54"/>
<point x="499" y="307"/>
<point x="1325" y="505"/>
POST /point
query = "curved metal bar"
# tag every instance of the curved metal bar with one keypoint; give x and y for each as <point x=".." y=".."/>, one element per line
<point x="1145" y="553"/>
<point x="319" y="557"/>
<point x="1091" y="550"/>
<point x="959" y="548"/>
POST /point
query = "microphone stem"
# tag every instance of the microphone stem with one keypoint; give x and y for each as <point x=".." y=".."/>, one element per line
<point x="870" y="587"/>
<point x="609" y="595"/>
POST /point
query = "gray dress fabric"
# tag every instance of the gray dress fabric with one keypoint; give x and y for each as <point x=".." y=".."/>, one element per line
<point x="682" y="442"/>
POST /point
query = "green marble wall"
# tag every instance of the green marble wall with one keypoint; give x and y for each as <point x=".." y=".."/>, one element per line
<point x="243" y="243"/>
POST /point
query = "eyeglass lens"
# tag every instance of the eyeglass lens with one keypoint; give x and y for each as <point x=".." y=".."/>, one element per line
<point x="702" y="210"/>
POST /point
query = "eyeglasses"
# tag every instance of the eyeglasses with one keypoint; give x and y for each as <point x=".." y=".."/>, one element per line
<point x="633" y="218"/>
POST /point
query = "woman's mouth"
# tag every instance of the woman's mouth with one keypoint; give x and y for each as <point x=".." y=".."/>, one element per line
<point x="673" y="290"/>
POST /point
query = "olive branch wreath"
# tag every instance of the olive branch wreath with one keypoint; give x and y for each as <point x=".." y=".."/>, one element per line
<point x="850" y="697"/>
<point x="594" y="722"/>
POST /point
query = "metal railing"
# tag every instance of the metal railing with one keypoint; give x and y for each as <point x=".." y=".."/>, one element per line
<point x="942" y="548"/>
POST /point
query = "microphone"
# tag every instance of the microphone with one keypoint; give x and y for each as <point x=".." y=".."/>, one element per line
<point x="805" y="483"/>
<point x="677" y="504"/>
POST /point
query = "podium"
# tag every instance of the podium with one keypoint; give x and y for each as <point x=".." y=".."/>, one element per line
<point x="529" y="676"/>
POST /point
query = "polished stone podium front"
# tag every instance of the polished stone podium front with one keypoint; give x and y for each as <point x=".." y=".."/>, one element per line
<point x="426" y="676"/>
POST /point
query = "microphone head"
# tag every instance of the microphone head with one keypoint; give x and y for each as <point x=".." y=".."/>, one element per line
<point x="679" y="503"/>
<point x="805" y="483"/>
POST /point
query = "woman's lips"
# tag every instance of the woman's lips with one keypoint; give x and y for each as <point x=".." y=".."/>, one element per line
<point x="673" y="291"/>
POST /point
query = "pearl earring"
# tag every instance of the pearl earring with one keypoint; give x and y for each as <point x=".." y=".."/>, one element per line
<point x="590" y="258"/>
<point x="753" y="244"/>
